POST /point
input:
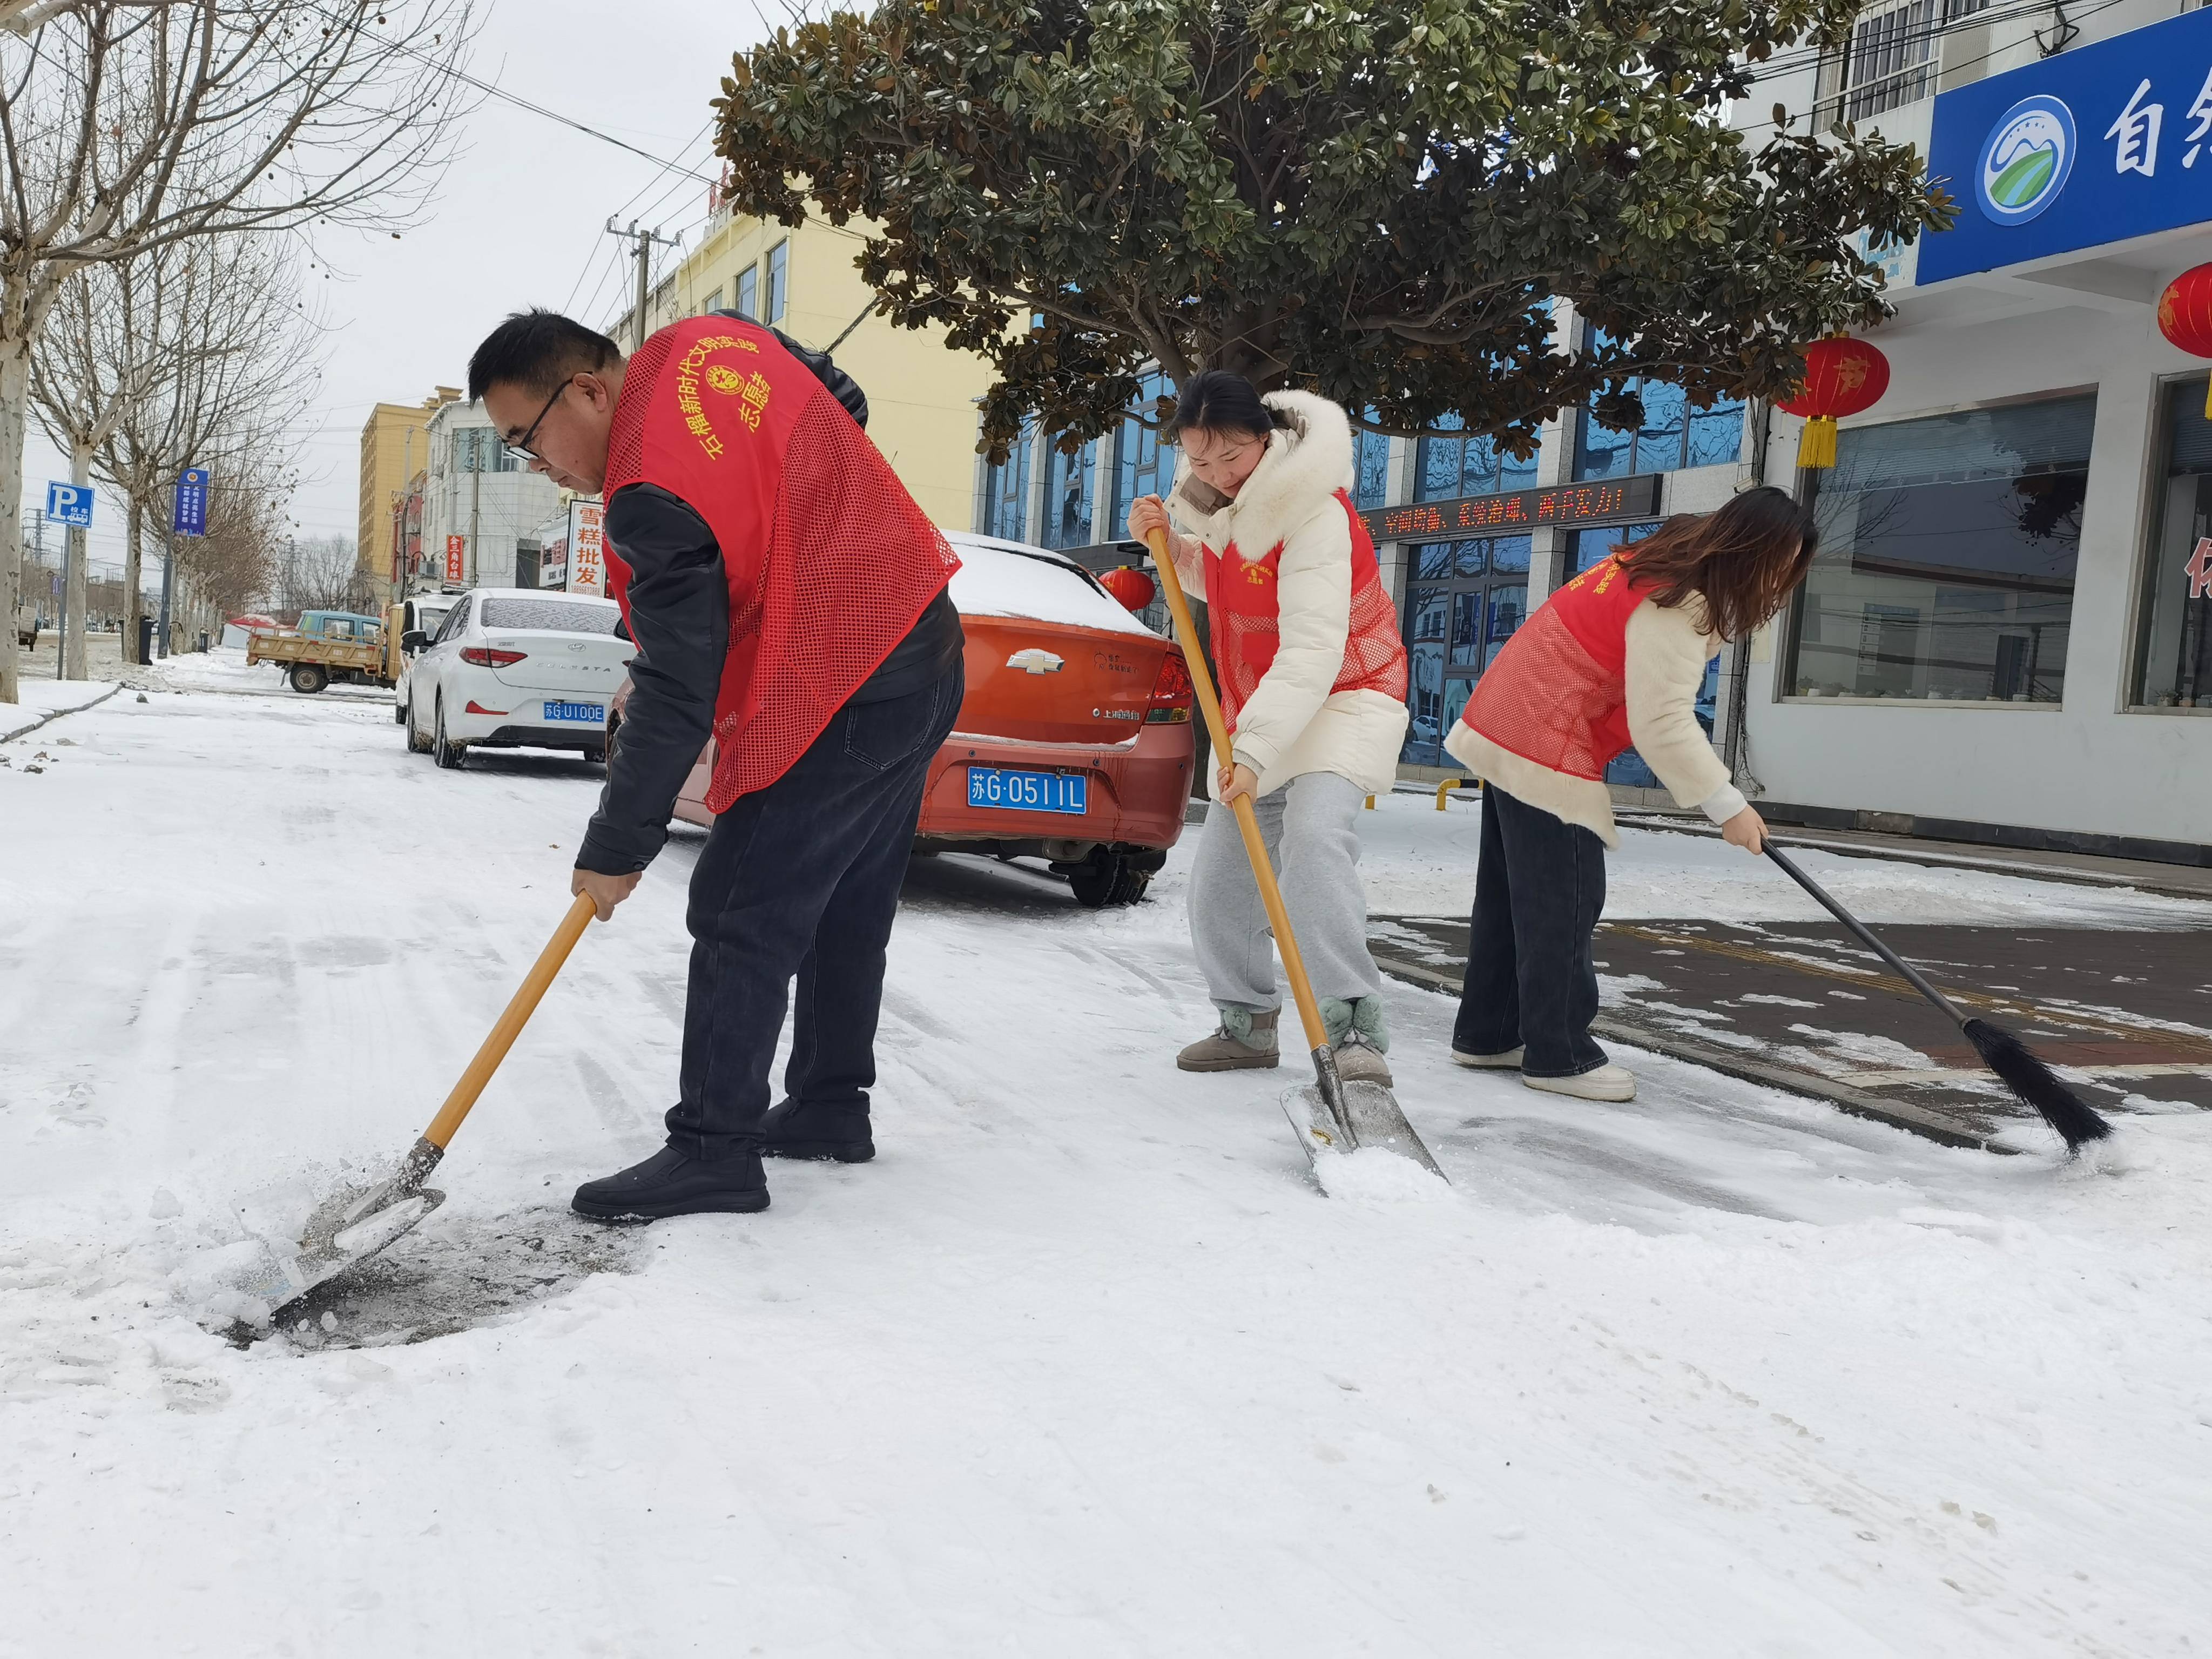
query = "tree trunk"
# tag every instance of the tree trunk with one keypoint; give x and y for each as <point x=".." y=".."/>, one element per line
<point x="80" y="546"/>
<point x="133" y="569"/>
<point x="14" y="403"/>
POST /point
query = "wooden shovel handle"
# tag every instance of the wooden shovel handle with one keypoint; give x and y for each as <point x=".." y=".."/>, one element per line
<point x="1255" y="849"/>
<point x="519" y="1010"/>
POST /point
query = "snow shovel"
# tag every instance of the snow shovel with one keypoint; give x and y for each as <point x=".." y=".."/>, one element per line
<point x="1331" y="1116"/>
<point x="355" y="1223"/>
<point x="2016" y="1064"/>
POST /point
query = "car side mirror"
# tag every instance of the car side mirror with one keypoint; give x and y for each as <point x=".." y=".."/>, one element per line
<point x="414" y="641"/>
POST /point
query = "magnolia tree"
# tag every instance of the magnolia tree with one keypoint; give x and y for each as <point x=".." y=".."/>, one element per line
<point x="1381" y="203"/>
<point x="122" y="129"/>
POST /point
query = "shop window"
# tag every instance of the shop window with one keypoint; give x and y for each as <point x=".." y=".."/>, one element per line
<point x="1006" y="494"/>
<point x="1068" y="486"/>
<point x="1370" y="466"/>
<point x="1947" y="551"/>
<point x="1463" y="601"/>
<point x="1587" y="547"/>
<point x="1140" y="465"/>
<point x="748" y="306"/>
<point x="2173" y="649"/>
<point x="1446" y="467"/>
<point x="1674" y="434"/>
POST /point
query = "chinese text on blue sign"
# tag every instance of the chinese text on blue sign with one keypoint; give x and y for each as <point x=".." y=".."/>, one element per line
<point x="191" y="516"/>
<point x="2093" y="146"/>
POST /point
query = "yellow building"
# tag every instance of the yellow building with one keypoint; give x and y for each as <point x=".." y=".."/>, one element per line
<point x="395" y="446"/>
<point x="922" y="394"/>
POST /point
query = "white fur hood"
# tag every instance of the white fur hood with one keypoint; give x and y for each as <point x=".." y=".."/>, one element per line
<point x="1306" y="463"/>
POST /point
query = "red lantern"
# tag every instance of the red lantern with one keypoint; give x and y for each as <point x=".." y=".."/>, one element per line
<point x="1842" y="377"/>
<point x="2185" y="317"/>
<point x="1132" y="587"/>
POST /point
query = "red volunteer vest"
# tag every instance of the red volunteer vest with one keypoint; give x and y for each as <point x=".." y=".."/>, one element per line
<point x="830" y="560"/>
<point x="1556" y="694"/>
<point x="1243" y="616"/>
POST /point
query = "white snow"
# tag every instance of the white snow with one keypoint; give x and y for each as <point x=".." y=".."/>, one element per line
<point x="39" y="699"/>
<point x="994" y="582"/>
<point x="1084" y="1363"/>
<point x="1420" y="862"/>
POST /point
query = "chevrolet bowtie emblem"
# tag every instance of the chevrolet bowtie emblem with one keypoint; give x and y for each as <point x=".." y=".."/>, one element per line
<point x="1035" y="660"/>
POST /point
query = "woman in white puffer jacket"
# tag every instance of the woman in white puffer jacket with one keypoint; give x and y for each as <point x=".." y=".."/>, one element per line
<point x="1312" y="673"/>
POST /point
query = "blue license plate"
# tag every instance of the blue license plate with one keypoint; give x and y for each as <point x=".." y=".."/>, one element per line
<point x="593" y="713"/>
<point x="1028" y="791"/>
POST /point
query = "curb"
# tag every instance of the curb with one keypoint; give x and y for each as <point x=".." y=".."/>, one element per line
<point x="1924" y="1121"/>
<point x="48" y="720"/>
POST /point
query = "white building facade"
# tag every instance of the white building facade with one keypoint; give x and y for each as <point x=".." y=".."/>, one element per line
<point x="480" y="508"/>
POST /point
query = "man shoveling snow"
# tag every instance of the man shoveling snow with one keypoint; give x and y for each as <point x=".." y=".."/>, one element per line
<point x="788" y="598"/>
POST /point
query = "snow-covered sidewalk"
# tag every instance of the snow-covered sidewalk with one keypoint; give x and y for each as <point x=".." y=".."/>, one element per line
<point x="1083" y="1363"/>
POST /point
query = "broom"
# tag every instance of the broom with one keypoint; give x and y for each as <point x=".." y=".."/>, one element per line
<point x="2035" y="1083"/>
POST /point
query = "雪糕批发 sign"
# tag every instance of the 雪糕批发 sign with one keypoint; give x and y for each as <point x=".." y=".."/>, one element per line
<point x="1611" y="501"/>
<point x="2096" y="145"/>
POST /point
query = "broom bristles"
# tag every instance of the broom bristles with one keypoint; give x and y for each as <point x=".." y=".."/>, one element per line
<point x="2036" y="1083"/>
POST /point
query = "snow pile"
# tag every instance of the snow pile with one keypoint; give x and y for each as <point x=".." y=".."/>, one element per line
<point x="1375" y="1175"/>
<point x="994" y="582"/>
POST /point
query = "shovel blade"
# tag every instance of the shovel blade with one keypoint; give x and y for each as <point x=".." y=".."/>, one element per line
<point x="346" y="1229"/>
<point x="1375" y="1120"/>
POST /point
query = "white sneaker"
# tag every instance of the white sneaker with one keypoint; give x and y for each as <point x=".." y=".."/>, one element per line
<point x="1606" y="1082"/>
<point x="1508" y="1061"/>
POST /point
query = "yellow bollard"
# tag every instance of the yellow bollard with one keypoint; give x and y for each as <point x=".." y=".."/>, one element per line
<point x="1450" y="784"/>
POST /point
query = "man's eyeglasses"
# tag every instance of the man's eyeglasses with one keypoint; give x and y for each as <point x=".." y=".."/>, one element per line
<point x="521" y="448"/>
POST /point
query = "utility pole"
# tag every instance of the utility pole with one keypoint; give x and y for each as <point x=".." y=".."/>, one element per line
<point x="643" y="254"/>
<point x="168" y="585"/>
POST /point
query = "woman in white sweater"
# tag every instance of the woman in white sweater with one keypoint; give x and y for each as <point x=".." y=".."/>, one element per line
<point x="1615" y="657"/>
<point x="1312" y="673"/>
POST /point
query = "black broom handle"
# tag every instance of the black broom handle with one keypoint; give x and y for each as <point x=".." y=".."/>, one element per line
<point x="1858" y="928"/>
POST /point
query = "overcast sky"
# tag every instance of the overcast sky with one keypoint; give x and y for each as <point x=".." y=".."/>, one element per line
<point x="517" y="220"/>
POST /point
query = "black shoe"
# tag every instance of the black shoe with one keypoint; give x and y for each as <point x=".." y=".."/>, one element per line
<point x="671" y="1182"/>
<point x="798" y="1128"/>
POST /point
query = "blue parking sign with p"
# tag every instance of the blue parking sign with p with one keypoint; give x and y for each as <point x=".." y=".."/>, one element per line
<point x="190" y="518"/>
<point x="70" y="504"/>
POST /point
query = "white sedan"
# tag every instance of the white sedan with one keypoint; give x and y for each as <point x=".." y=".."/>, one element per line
<point x="512" y="668"/>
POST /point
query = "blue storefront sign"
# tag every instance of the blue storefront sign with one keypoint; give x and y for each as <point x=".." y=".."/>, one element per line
<point x="2093" y="146"/>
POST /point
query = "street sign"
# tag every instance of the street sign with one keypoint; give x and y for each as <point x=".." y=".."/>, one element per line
<point x="190" y="518"/>
<point x="457" y="550"/>
<point x="70" y="504"/>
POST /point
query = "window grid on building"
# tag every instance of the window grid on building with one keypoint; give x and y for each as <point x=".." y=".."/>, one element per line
<point x="779" y="281"/>
<point x="748" y="306"/>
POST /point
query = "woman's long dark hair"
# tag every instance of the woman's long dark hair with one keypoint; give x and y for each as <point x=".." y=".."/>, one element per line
<point x="1219" y="401"/>
<point x="1741" y="560"/>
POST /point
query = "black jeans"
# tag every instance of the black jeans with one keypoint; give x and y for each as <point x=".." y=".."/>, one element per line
<point x="801" y="880"/>
<point x="1539" y="887"/>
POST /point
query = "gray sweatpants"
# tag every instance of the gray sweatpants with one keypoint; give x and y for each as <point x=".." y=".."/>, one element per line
<point x="1309" y="825"/>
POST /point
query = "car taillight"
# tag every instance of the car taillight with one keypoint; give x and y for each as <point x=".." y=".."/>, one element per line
<point x="1171" y="693"/>
<point x="484" y="656"/>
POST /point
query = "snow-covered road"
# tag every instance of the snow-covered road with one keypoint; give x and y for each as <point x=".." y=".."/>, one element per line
<point x="1082" y="1364"/>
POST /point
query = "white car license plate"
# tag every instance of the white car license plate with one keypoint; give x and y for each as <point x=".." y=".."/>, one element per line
<point x="592" y="714"/>
<point x="1028" y="791"/>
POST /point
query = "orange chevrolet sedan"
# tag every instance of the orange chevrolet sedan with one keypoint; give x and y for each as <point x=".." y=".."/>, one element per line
<point x="1074" y="742"/>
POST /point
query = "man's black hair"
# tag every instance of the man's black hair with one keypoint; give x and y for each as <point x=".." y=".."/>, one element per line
<point x="535" y="350"/>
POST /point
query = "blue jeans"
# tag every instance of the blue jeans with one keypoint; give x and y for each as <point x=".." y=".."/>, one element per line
<point x="1539" y="890"/>
<point x="800" y="881"/>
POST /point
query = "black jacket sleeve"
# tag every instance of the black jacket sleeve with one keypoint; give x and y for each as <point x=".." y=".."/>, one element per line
<point x="680" y="614"/>
<point x="843" y="386"/>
